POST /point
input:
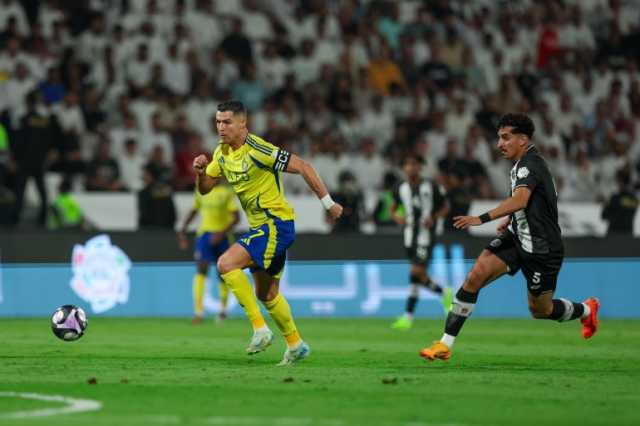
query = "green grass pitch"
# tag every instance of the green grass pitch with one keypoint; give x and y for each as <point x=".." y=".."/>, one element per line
<point x="166" y="371"/>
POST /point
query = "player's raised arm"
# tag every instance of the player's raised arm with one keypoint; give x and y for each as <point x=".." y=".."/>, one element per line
<point x="299" y="166"/>
<point x="517" y="201"/>
<point x="204" y="182"/>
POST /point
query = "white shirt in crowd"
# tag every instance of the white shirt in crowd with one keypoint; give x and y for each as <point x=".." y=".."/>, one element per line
<point x="13" y="8"/>
<point x="153" y="138"/>
<point x="177" y="75"/>
<point x="70" y="117"/>
<point x="200" y="113"/>
<point x="131" y="170"/>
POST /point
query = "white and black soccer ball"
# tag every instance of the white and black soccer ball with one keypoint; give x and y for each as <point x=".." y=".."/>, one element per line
<point x="69" y="322"/>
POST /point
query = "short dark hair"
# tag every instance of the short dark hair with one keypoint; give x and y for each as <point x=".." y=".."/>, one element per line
<point x="413" y="156"/>
<point x="236" y="107"/>
<point x="520" y="123"/>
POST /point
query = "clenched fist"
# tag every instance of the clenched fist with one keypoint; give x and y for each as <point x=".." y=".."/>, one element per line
<point x="200" y="164"/>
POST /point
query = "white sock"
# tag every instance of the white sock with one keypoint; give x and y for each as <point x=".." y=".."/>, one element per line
<point x="262" y="329"/>
<point x="409" y="316"/>
<point x="448" y="340"/>
<point x="587" y="311"/>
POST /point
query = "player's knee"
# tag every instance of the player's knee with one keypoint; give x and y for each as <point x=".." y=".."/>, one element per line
<point x="224" y="265"/>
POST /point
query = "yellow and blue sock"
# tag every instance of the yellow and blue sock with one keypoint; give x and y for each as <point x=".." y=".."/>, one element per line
<point x="224" y="296"/>
<point x="198" y="294"/>
<point x="242" y="290"/>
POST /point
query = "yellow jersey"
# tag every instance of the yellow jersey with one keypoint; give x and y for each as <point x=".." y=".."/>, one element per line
<point x="216" y="209"/>
<point x="253" y="171"/>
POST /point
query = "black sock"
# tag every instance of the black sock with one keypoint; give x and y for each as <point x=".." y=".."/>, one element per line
<point x="566" y="310"/>
<point x="428" y="283"/>
<point x="578" y="310"/>
<point x="433" y="286"/>
<point x="461" y="309"/>
<point x="412" y="301"/>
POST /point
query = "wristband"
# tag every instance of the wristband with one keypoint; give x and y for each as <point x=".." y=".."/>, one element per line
<point x="484" y="218"/>
<point x="327" y="202"/>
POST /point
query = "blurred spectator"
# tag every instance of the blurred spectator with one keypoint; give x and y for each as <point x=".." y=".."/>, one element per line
<point x="621" y="208"/>
<point x="458" y="197"/>
<point x="65" y="212"/>
<point x="103" y="173"/>
<point x="377" y="122"/>
<point x="383" y="71"/>
<point x="350" y="196"/>
<point x="382" y="213"/>
<point x="156" y="209"/>
<point x="52" y="88"/>
<point x="249" y="90"/>
<point x="306" y="65"/>
<point x="157" y="136"/>
<point x="184" y="177"/>
<point x="200" y="109"/>
<point x="39" y="134"/>
<point x="11" y="9"/>
<point x="236" y="45"/>
<point x="16" y="91"/>
<point x="138" y="69"/>
<point x="176" y="72"/>
<point x="158" y="165"/>
<point x="130" y="164"/>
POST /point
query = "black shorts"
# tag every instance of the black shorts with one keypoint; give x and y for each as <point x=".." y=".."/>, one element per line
<point x="540" y="270"/>
<point x="418" y="255"/>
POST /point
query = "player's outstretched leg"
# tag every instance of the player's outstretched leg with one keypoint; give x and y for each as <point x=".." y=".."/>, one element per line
<point x="230" y="266"/>
<point x="561" y="310"/>
<point x="487" y="268"/>
<point x="280" y="312"/>
<point x="242" y="290"/>
<point x="461" y="309"/>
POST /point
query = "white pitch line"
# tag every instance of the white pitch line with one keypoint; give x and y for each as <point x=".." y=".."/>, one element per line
<point x="73" y="405"/>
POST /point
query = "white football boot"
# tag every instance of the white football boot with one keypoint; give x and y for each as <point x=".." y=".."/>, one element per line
<point x="296" y="354"/>
<point x="260" y="341"/>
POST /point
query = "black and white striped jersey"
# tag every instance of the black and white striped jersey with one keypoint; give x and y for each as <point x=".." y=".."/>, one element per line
<point x="536" y="226"/>
<point x="419" y="202"/>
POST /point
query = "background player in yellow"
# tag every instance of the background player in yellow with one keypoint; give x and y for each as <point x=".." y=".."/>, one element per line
<point x="252" y="166"/>
<point x="218" y="215"/>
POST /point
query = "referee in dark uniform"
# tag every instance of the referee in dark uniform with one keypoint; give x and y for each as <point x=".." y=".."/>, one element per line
<point x="528" y="239"/>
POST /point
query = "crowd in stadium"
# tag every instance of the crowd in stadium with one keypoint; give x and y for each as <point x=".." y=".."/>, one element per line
<point x="121" y="93"/>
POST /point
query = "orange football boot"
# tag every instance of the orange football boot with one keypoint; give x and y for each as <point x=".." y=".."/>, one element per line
<point x="437" y="351"/>
<point x="590" y="323"/>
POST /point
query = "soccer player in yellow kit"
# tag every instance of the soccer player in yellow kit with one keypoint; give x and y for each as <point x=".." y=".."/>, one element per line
<point x="219" y="214"/>
<point x="252" y="166"/>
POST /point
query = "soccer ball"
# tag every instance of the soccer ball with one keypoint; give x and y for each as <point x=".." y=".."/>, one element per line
<point x="69" y="322"/>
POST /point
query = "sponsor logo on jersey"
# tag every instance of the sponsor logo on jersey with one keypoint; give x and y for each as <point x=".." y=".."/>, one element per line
<point x="523" y="172"/>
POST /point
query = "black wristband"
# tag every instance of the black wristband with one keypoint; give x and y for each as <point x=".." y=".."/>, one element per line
<point x="484" y="218"/>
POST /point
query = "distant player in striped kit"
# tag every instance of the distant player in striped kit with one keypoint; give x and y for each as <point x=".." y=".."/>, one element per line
<point x="417" y="205"/>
